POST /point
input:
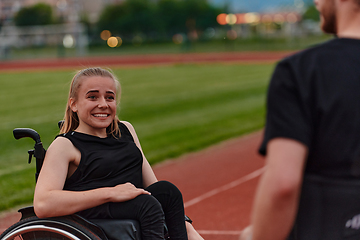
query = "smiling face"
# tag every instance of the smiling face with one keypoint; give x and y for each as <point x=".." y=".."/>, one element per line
<point x="95" y="105"/>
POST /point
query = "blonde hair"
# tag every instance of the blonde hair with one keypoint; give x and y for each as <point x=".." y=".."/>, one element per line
<point x="71" y="120"/>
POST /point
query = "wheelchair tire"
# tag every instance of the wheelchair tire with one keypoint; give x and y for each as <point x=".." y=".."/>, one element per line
<point x="33" y="228"/>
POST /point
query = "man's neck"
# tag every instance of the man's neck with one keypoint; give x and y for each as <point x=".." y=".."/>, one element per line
<point x="349" y="34"/>
<point x="348" y="21"/>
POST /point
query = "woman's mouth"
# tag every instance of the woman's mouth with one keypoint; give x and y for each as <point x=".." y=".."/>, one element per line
<point x="100" y="115"/>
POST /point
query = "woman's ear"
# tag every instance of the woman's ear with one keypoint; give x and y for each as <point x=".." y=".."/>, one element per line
<point x="72" y="105"/>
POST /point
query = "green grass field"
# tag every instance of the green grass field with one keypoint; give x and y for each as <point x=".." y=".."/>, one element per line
<point x="175" y="109"/>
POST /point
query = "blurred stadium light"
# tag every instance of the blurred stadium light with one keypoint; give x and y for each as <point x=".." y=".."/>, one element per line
<point x="68" y="41"/>
<point x="231" y="19"/>
<point x="105" y="35"/>
<point x="114" y="42"/>
<point x="221" y="19"/>
<point x="273" y="24"/>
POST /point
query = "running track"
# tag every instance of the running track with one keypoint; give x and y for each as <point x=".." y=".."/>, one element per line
<point x="140" y="60"/>
<point x="218" y="183"/>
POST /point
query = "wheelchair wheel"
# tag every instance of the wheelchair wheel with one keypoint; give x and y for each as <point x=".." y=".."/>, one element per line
<point x="33" y="228"/>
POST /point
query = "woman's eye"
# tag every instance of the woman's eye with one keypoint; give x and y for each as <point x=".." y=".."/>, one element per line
<point x="111" y="98"/>
<point x="91" y="97"/>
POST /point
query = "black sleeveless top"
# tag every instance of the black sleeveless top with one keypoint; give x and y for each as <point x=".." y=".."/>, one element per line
<point x="105" y="162"/>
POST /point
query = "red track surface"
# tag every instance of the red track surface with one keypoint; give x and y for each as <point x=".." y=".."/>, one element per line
<point x="136" y="60"/>
<point x="218" y="183"/>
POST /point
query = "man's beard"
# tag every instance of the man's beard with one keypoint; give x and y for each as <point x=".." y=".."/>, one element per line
<point x="328" y="18"/>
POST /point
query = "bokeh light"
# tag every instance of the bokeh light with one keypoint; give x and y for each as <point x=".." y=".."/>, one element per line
<point x="240" y="18"/>
<point x="231" y="34"/>
<point x="68" y="41"/>
<point x="255" y="18"/>
<point x="278" y="18"/>
<point x="231" y="19"/>
<point x="61" y="4"/>
<point x="193" y="35"/>
<point x="209" y="33"/>
<point x="112" y="42"/>
<point x="291" y="18"/>
<point x="178" y="38"/>
<point x="105" y="35"/>
<point x="120" y="41"/>
<point x="252" y="17"/>
<point x="221" y="19"/>
<point x="267" y="18"/>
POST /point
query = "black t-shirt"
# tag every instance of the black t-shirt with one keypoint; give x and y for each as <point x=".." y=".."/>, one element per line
<point x="314" y="97"/>
<point x="105" y="162"/>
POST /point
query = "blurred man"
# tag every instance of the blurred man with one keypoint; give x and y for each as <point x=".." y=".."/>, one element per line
<point x="311" y="186"/>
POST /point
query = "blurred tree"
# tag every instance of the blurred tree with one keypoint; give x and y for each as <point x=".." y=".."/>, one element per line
<point x="203" y="13"/>
<point x="194" y="15"/>
<point x="171" y="18"/>
<point x="38" y="14"/>
<point x="164" y="17"/>
<point x="109" y="18"/>
<point x="130" y="17"/>
<point x="311" y="13"/>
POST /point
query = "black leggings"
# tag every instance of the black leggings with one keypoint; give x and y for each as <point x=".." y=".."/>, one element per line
<point x="164" y="204"/>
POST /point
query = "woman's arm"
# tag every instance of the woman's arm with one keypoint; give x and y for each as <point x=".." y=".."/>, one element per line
<point x="148" y="174"/>
<point x="51" y="200"/>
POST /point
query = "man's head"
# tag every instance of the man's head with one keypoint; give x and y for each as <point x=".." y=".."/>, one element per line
<point x="334" y="11"/>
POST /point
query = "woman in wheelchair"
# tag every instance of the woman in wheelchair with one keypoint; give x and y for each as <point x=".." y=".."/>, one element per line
<point x="96" y="167"/>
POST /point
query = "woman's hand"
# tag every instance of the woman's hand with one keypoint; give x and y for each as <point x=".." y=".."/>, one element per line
<point x="125" y="192"/>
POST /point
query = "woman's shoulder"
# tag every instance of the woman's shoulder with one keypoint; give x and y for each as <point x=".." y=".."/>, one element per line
<point x="127" y="128"/>
<point x="127" y="125"/>
<point x="61" y="141"/>
<point x="62" y="146"/>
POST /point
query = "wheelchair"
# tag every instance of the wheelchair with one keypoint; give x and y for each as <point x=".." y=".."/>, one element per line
<point x="72" y="227"/>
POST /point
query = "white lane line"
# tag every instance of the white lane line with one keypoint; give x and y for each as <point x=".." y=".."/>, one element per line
<point x="224" y="188"/>
<point x="214" y="232"/>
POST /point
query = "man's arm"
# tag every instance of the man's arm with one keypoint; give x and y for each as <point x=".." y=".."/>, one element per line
<point x="277" y="196"/>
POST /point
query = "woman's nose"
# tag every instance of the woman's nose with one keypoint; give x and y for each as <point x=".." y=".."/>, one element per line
<point x="102" y="103"/>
